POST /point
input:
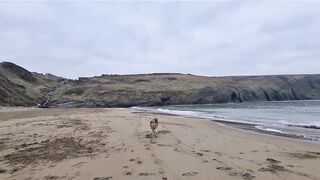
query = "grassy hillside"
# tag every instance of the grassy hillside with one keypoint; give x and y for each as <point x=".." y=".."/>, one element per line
<point x="21" y="87"/>
<point x="163" y="89"/>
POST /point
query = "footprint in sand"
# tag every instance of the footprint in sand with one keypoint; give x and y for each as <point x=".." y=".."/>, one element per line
<point x="158" y="161"/>
<point x="224" y="168"/>
<point x="102" y="178"/>
<point x="136" y="159"/>
<point x="233" y="174"/>
<point x="146" y="174"/>
<point x="246" y="176"/>
<point x="2" y="170"/>
<point x="161" y="171"/>
<point x="165" y="145"/>
<point x="127" y="173"/>
<point x="249" y="170"/>
<point x="50" y="177"/>
<point x="79" y="164"/>
<point x="139" y="162"/>
<point x="205" y="150"/>
<point x="272" y="167"/>
<point x="273" y="161"/>
<point x="147" y="146"/>
<point x="199" y="154"/>
<point x="217" y="160"/>
<point x="52" y="165"/>
<point x="190" y="174"/>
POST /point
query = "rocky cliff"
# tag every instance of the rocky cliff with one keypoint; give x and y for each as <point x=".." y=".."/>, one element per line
<point x="20" y="87"/>
<point x="167" y="89"/>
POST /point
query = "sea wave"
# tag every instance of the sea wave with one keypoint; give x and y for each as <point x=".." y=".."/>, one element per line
<point x="269" y="129"/>
<point x="241" y="119"/>
<point x="194" y="114"/>
<point x="305" y="126"/>
<point x="276" y="122"/>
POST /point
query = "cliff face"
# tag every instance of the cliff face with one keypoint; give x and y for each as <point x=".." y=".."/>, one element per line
<point x="168" y="89"/>
<point x="20" y="87"/>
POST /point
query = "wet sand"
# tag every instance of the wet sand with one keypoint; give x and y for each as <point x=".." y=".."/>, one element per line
<point x="102" y="144"/>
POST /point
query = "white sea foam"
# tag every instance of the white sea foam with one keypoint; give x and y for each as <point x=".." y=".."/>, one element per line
<point x="178" y="112"/>
<point x="269" y="129"/>
<point x="281" y="117"/>
<point x="186" y="113"/>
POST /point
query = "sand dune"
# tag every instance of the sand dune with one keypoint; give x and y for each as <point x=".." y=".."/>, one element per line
<point x="102" y="144"/>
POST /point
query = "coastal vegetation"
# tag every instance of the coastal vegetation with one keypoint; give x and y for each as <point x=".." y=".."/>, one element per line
<point x="24" y="88"/>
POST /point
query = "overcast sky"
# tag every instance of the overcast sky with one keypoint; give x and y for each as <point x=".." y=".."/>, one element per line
<point x="73" y="39"/>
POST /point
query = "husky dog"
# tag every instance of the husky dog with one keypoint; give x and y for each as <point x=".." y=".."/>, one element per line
<point x="153" y="125"/>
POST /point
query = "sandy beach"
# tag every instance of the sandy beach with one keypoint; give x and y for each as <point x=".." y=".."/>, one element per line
<point x="101" y="144"/>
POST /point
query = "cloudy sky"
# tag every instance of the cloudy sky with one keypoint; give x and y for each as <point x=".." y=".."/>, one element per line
<point x="73" y="39"/>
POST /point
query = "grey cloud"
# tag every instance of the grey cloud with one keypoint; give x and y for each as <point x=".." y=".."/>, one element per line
<point x="74" y="39"/>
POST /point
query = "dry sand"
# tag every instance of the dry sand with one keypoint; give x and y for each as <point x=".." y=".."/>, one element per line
<point x="102" y="144"/>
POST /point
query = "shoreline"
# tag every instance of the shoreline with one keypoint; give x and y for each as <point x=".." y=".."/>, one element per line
<point x="248" y="126"/>
<point x="112" y="143"/>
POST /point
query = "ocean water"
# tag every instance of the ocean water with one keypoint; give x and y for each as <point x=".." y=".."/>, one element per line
<point x="298" y="119"/>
